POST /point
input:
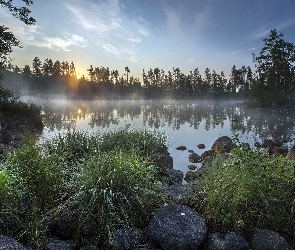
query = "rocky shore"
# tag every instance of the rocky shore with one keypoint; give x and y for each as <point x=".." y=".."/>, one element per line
<point x="173" y="226"/>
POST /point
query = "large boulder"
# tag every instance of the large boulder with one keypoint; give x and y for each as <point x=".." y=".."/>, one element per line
<point x="176" y="227"/>
<point x="222" y="145"/>
<point x="8" y="243"/>
<point x="267" y="239"/>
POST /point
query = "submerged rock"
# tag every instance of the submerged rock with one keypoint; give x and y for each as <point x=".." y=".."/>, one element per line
<point x="181" y="148"/>
<point x="194" y="158"/>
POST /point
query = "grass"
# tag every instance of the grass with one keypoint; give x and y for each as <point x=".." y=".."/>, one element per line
<point x="109" y="178"/>
<point x="247" y="190"/>
<point x="109" y="181"/>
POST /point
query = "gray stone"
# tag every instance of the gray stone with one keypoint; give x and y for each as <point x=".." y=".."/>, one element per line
<point x="7" y="243"/>
<point x="174" y="176"/>
<point x="201" y="146"/>
<point x="191" y="176"/>
<point x="60" y="245"/>
<point x="231" y="241"/>
<point x="176" y="227"/>
<point x="126" y="238"/>
<point x="267" y="239"/>
<point x="222" y="145"/>
<point x="194" y="158"/>
<point x="178" y="193"/>
<point x="181" y="148"/>
<point x="89" y="248"/>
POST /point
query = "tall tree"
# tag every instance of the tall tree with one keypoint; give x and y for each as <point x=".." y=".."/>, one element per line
<point x="127" y="71"/>
<point x="7" y="39"/>
<point x="37" y="68"/>
<point x="275" y="70"/>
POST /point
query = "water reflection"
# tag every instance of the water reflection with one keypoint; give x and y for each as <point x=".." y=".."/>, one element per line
<point x="185" y="123"/>
<point x="96" y="114"/>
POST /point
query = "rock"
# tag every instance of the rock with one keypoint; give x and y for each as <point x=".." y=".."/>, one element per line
<point x="174" y="176"/>
<point x="290" y="155"/>
<point x="192" y="167"/>
<point x="282" y="150"/>
<point x="7" y="137"/>
<point x="176" y="227"/>
<point x="191" y="176"/>
<point x="235" y="242"/>
<point x="231" y="241"/>
<point x="214" y="241"/>
<point x="65" y="229"/>
<point x="194" y="158"/>
<point x="7" y="243"/>
<point x="179" y="194"/>
<point x="207" y="155"/>
<point x="191" y="151"/>
<point x="257" y="144"/>
<point x="267" y="144"/>
<point x="267" y="239"/>
<point x="164" y="161"/>
<point x="181" y="148"/>
<point x="60" y="245"/>
<point x="222" y="145"/>
<point x="89" y="248"/>
<point x="201" y="146"/>
<point x="126" y="238"/>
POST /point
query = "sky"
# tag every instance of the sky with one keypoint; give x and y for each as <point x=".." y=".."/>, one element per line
<point x="144" y="34"/>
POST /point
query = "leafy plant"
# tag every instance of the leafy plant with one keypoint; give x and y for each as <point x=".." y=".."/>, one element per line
<point x="250" y="189"/>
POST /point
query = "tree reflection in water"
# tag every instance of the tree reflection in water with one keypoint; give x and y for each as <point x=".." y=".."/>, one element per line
<point x="185" y="123"/>
<point x="172" y="115"/>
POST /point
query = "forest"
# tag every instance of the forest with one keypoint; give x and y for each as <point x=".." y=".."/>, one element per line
<point x="270" y="85"/>
<point x="60" y="77"/>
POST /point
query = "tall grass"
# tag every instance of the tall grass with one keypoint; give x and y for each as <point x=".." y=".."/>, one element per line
<point x="250" y="189"/>
<point x="108" y="177"/>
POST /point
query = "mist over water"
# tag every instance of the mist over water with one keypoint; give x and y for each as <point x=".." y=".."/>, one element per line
<point x="185" y="123"/>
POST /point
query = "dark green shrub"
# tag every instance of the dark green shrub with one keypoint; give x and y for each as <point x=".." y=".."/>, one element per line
<point x="250" y="189"/>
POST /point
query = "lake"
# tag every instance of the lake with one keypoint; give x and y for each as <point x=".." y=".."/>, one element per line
<point x="185" y="123"/>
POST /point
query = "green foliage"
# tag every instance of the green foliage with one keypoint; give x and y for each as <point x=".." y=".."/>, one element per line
<point x="116" y="189"/>
<point x="40" y="175"/>
<point x="12" y="106"/>
<point x="250" y="189"/>
<point x="112" y="185"/>
<point x="145" y="143"/>
<point x="274" y="85"/>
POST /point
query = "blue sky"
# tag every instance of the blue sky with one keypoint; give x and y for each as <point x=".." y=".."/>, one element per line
<point x="144" y="34"/>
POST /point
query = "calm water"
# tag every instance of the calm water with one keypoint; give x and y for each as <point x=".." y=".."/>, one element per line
<point x="186" y="123"/>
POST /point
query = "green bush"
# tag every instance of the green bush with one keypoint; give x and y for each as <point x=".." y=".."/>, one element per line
<point x="250" y="189"/>
<point x="116" y="189"/>
<point x="12" y="106"/>
<point x="109" y="184"/>
<point x="145" y="143"/>
<point x="39" y="174"/>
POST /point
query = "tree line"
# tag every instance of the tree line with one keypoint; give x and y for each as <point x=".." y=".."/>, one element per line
<point x="61" y="77"/>
<point x="272" y="83"/>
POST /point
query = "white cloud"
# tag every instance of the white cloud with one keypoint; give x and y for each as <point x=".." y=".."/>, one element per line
<point x="106" y="24"/>
<point x="263" y="32"/>
<point x="111" y="49"/>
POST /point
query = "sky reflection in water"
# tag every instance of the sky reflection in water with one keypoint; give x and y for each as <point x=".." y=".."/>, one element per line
<point x="186" y="123"/>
